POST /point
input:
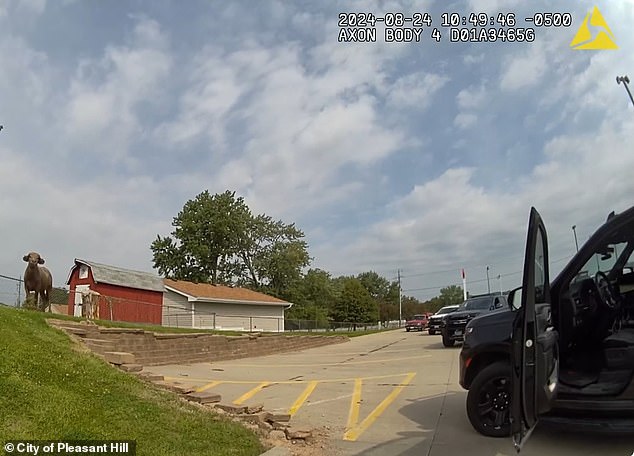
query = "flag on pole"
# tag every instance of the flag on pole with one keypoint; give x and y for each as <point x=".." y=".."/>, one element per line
<point x="464" y="285"/>
<point x="463" y="275"/>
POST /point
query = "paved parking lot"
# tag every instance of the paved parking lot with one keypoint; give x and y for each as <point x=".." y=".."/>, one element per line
<point x="393" y="393"/>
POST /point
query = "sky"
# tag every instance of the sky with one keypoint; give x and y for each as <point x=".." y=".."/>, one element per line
<point x="417" y="159"/>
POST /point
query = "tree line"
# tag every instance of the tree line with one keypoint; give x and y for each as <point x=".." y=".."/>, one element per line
<point x="217" y="239"/>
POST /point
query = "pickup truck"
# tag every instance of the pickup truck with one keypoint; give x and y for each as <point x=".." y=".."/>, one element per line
<point x="433" y="324"/>
<point x="453" y="325"/>
<point x="417" y="323"/>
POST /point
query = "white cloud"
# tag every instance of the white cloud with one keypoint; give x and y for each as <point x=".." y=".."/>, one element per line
<point x="464" y="120"/>
<point x="472" y="97"/>
<point x="451" y="221"/>
<point x="416" y="90"/>
<point x="101" y="118"/>
<point x="32" y="6"/>
<point x="98" y="159"/>
<point x="524" y="70"/>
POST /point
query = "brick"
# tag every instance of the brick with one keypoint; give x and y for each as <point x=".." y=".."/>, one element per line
<point x="279" y="426"/>
<point x="257" y="408"/>
<point x="204" y="397"/>
<point x="131" y="367"/>
<point x="233" y="409"/>
<point x="255" y="418"/>
<point x="119" y="357"/>
<point x="298" y="434"/>
<point x="279" y="417"/>
<point x="180" y="389"/>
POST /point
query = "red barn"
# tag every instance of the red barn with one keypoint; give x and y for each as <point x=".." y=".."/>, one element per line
<point x="123" y="294"/>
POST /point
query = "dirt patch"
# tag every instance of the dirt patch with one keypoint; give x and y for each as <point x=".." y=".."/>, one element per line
<point x="319" y="444"/>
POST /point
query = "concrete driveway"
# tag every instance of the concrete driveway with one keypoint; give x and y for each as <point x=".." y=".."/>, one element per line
<point x="393" y="393"/>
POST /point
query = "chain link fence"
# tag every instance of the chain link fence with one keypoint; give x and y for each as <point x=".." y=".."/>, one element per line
<point x="101" y="307"/>
<point x="11" y="290"/>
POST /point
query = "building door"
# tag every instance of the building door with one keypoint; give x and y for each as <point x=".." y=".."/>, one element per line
<point x="78" y="309"/>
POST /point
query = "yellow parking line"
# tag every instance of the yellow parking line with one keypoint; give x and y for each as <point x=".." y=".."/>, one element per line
<point x="302" y="398"/>
<point x="249" y="394"/>
<point x="208" y="386"/>
<point x="353" y="434"/>
<point x="355" y="404"/>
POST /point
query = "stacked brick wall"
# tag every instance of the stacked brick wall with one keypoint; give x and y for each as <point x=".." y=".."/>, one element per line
<point x="151" y="348"/>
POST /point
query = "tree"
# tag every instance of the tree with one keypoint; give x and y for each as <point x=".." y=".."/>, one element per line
<point x="207" y="230"/>
<point x="59" y="295"/>
<point x="411" y="306"/>
<point x="384" y="292"/>
<point x="313" y="297"/>
<point x="217" y="240"/>
<point x="354" y="304"/>
<point x="449" y="295"/>
<point x="452" y="294"/>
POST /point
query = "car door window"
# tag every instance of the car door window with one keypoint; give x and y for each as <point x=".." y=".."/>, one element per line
<point x="540" y="269"/>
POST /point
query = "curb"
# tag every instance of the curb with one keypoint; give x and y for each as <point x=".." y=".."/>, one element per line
<point x="277" y="451"/>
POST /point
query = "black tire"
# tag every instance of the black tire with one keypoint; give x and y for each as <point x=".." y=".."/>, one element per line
<point x="432" y="332"/>
<point x="407" y="329"/>
<point x="489" y="400"/>
<point x="447" y="342"/>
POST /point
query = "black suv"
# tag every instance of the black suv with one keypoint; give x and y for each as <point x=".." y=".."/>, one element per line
<point x="434" y="322"/>
<point x="563" y="351"/>
<point x="452" y="326"/>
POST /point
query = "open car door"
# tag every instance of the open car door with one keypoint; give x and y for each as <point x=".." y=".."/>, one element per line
<point x="535" y="360"/>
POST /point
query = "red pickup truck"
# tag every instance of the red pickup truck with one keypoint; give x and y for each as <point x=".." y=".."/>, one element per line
<point x="418" y="323"/>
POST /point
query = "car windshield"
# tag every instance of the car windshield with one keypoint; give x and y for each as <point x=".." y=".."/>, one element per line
<point x="446" y="309"/>
<point x="477" y="304"/>
<point x="604" y="260"/>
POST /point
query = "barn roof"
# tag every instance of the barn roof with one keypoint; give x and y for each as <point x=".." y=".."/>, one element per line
<point x="206" y="292"/>
<point x="113" y="275"/>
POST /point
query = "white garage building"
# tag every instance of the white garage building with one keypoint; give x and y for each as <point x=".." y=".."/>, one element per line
<point x="206" y="306"/>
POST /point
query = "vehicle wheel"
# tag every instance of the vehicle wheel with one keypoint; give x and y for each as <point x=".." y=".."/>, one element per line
<point x="432" y="332"/>
<point x="407" y="329"/>
<point x="447" y="342"/>
<point x="489" y="401"/>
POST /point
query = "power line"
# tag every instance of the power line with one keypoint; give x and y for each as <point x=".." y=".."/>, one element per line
<point x="459" y="283"/>
<point x="479" y="280"/>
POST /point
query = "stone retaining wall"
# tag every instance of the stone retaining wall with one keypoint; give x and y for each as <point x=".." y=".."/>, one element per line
<point x="150" y="348"/>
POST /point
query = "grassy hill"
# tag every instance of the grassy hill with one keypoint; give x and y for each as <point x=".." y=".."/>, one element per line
<point x="50" y="389"/>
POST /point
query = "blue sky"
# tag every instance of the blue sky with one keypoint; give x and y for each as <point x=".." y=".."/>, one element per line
<point x="424" y="157"/>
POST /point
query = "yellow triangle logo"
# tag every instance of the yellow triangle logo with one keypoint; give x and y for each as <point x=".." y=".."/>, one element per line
<point x="604" y="38"/>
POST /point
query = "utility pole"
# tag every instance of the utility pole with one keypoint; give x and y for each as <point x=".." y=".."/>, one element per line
<point x="574" y="230"/>
<point x="625" y="80"/>
<point x="488" y="283"/>
<point x="400" y="301"/>
<point x="500" y="282"/>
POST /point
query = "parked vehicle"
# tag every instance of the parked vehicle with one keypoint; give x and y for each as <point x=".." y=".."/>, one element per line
<point x="433" y="324"/>
<point x="563" y="351"/>
<point x="417" y="323"/>
<point x="452" y="326"/>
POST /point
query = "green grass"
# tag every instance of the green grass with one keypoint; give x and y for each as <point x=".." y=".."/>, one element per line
<point x="51" y="390"/>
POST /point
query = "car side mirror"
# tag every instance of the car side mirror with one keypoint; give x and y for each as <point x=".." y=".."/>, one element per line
<point x="511" y="299"/>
